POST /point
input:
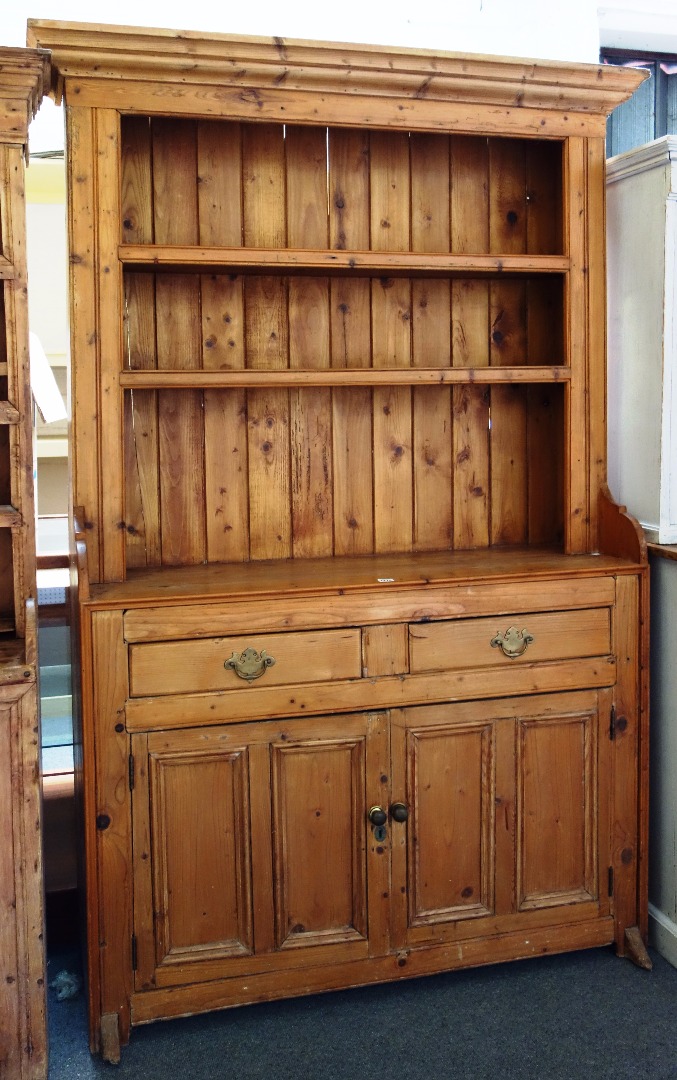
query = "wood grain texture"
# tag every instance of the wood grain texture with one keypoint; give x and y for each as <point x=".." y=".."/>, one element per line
<point x="577" y="493"/>
<point x="23" y="1027"/>
<point x="142" y="504"/>
<point x="180" y="417"/>
<point x="371" y="290"/>
<point x="350" y="328"/>
<point x="469" y="164"/>
<point x="219" y="165"/>
<point x="109" y="828"/>
<point x="557" y="811"/>
<point x="310" y="410"/>
<point x="628" y="835"/>
<point x="83" y="321"/>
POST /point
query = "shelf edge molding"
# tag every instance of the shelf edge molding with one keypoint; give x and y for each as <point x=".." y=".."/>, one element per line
<point x="340" y="377"/>
<point x="168" y="258"/>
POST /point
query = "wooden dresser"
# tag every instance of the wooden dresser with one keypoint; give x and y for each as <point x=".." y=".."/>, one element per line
<point x="363" y="675"/>
<point x="24" y="78"/>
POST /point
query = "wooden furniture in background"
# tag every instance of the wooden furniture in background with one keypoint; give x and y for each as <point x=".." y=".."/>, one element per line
<point x="362" y="648"/>
<point x="24" y="78"/>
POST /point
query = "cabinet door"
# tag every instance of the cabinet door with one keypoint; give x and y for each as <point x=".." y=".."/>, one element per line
<point x="252" y="849"/>
<point x="508" y="822"/>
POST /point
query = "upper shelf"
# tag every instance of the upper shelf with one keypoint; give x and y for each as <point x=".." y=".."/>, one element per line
<point x="311" y="261"/>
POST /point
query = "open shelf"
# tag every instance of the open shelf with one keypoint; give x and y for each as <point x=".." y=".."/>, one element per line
<point x="367" y="263"/>
<point x="340" y="377"/>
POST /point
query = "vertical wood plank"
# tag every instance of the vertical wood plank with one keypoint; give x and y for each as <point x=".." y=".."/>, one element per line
<point x="142" y="494"/>
<point x="506" y="884"/>
<point x="142" y="883"/>
<point x="21" y="541"/>
<point x="544" y="197"/>
<point x="112" y="843"/>
<point x="626" y="834"/>
<point x="109" y="296"/>
<point x="83" y="327"/>
<point x="262" y="848"/>
<point x="391" y="336"/>
<point x="267" y="345"/>
<point x="310" y="409"/>
<point x="507" y="316"/>
<point x="181" y="428"/>
<point x="10" y="1054"/>
<point x="352" y="430"/>
<point x="351" y="345"/>
<point x="393" y="525"/>
<point x="431" y="346"/>
<point x="219" y="163"/>
<point x="469" y="170"/>
<point x="596" y="351"/>
<point x="577" y="494"/>
<point x="348" y="156"/>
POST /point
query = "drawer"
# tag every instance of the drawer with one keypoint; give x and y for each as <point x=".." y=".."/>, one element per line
<point x="467" y="643"/>
<point x="178" y="667"/>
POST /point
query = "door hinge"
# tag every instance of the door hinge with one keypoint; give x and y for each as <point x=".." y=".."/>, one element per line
<point x="611" y="881"/>
<point x="131" y="772"/>
<point x="134" y="953"/>
<point x="612" y="723"/>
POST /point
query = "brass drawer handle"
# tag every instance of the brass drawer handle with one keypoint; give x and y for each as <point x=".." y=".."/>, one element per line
<point x="513" y="643"/>
<point x="250" y="664"/>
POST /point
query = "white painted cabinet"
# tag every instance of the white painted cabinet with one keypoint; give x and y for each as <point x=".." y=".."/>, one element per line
<point x="642" y="299"/>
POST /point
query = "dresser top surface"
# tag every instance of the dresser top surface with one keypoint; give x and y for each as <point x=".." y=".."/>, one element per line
<point x="334" y="576"/>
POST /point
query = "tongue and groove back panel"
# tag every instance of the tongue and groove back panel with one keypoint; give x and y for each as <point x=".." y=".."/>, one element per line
<point x="236" y="474"/>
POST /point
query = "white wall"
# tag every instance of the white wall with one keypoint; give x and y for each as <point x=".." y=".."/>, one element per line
<point x="650" y="26"/>
<point x="504" y="27"/>
<point x="531" y="28"/>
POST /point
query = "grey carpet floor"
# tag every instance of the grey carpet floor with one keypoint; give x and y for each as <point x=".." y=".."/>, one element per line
<point x="582" y="1015"/>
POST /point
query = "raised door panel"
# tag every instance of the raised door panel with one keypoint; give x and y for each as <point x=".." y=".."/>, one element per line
<point x="444" y="857"/>
<point x="192" y="832"/>
<point x="319" y="842"/>
<point x="251" y="847"/>
<point x="562" y="808"/>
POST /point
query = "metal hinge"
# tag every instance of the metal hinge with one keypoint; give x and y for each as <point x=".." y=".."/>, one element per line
<point x="134" y="953"/>
<point x="612" y="725"/>
<point x="611" y="881"/>
<point x="131" y="772"/>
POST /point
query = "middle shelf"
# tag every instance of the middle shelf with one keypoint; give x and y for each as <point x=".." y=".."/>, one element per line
<point x="258" y="260"/>
<point x="158" y="379"/>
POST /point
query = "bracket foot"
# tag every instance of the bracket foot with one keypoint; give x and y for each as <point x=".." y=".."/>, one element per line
<point x="635" y="949"/>
<point x="110" y="1038"/>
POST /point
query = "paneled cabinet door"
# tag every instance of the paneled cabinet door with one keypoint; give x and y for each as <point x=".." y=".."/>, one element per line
<point x="508" y="816"/>
<point x="252" y="848"/>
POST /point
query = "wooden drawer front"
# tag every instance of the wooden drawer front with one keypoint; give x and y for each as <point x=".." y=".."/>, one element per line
<point x="178" y="667"/>
<point x="466" y="643"/>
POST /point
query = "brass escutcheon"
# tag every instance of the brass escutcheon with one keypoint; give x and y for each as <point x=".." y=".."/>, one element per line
<point x="513" y="643"/>
<point x="250" y="664"/>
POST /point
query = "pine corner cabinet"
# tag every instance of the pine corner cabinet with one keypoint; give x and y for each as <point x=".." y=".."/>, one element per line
<point x="362" y="631"/>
